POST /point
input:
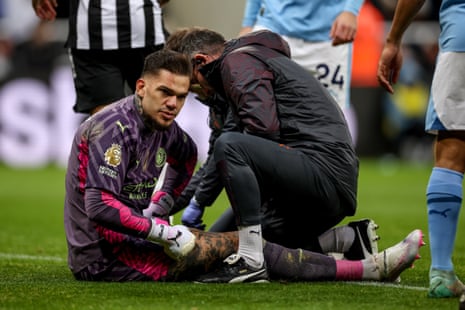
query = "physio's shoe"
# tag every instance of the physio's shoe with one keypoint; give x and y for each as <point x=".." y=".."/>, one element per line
<point x="235" y="270"/>
<point x="181" y="243"/>
<point x="394" y="260"/>
<point x="443" y="284"/>
<point x="366" y="240"/>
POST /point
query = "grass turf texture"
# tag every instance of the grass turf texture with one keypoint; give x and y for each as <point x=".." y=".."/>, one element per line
<point x="34" y="273"/>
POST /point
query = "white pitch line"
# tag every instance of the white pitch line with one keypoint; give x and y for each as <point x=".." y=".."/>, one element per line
<point x="30" y="257"/>
<point x="393" y="285"/>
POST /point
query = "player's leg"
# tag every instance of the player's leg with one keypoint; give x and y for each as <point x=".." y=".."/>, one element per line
<point x="444" y="200"/>
<point x="446" y="117"/>
<point x="140" y="260"/>
<point x="131" y="70"/>
<point x="302" y="265"/>
<point x="97" y="80"/>
<point x="354" y="241"/>
<point x="135" y="259"/>
<point x="127" y="259"/>
<point x="210" y="250"/>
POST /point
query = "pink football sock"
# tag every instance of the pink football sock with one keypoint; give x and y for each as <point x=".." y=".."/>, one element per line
<point x="349" y="270"/>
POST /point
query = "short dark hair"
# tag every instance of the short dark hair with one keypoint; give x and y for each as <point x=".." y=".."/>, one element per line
<point x="174" y="41"/>
<point x="190" y="41"/>
<point x="169" y="60"/>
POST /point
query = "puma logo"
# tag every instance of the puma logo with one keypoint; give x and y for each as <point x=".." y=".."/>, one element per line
<point x="175" y="239"/>
<point x="121" y="126"/>
<point x="162" y="229"/>
<point x="443" y="213"/>
<point x="254" y="232"/>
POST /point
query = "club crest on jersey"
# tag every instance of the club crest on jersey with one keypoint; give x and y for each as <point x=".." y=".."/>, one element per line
<point x="113" y="155"/>
<point x="161" y="157"/>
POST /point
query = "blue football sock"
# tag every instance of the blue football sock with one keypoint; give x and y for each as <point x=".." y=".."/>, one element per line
<point x="444" y="199"/>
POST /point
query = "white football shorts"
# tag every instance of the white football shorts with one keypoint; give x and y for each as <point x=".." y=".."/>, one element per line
<point x="331" y="65"/>
<point x="446" y="107"/>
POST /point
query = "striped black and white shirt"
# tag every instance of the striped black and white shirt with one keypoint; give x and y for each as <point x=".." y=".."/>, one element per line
<point x="114" y="24"/>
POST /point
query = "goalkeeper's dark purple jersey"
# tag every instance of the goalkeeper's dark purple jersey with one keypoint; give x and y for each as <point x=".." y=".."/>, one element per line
<point x="114" y="164"/>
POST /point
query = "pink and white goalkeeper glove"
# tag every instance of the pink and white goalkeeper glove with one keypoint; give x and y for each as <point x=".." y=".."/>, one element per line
<point x="177" y="240"/>
<point x="160" y="206"/>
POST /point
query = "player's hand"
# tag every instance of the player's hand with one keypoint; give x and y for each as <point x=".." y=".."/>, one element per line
<point x="192" y="215"/>
<point x="390" y="63"/>
<point x="160" y="206"/>
<point x="45" y="9"/>
<point x="344" y="28"/>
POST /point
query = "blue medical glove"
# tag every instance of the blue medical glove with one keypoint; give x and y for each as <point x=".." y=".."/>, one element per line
<point x="192" y="215"/>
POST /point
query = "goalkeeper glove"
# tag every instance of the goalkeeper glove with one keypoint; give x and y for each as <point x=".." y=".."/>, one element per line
<point x="177" y="240"/>
<point x="192" y="215"/>
<point x="160" y="206"/>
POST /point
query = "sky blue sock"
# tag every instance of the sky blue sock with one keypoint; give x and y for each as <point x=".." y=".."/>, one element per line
<point x="444" y="199"/>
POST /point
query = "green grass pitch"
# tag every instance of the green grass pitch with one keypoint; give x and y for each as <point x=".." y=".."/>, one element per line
<point x="34" y="273"/>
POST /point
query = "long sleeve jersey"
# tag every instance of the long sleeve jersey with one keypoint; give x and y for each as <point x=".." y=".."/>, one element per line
<point x="114" y="164"/>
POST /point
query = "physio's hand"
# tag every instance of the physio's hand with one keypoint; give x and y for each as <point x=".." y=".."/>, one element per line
<point x="192" y="215"/>
<point x="160" y="206"/>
